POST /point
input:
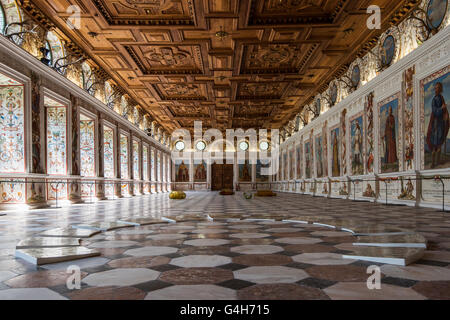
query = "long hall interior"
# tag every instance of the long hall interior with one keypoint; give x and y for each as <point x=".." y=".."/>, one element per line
<point x="224" y="150"/>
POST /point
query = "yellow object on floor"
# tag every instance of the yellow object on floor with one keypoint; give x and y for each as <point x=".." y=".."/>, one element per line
<point x="265" y="193"/>
<point x="177" y="195"/>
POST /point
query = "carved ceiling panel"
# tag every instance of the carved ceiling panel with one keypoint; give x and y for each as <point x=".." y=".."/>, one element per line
<point x="150" y="12"/>
<point x="166" y="59"/>
<point x="229" y="63"/>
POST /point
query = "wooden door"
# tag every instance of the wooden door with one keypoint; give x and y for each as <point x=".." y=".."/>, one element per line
<point x="221" y="176"/>
<point x="227" y="176"/>
<point x="216" y="176"/>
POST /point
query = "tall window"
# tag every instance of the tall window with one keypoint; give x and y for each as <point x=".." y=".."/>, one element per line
<point x="145" y="162"/>
<point x="12" y="124"/>
<point x="10" y="13"/>
<point x="108" y="152"/>
<point x="56" y="137"/>
<point x="88" y="79"/>
<point x="87" y="150"/>
<point x="2" y="19"/>
<point x="124" y="157"/>
<point x="158" y="166"/>
<point x="136" y="174"/>
<point x="56" y="48"/>
<point x="152" y="165"/>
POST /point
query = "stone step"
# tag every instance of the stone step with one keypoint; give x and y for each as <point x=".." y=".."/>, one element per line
<point x="408" y="241"/>
<point x="395" y="256"/>
<point x="69" y="233"/>
<point x="48" y="242"/>
<point x="40" y="256"/>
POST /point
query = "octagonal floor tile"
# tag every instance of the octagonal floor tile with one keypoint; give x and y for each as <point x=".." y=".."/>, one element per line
<point x="417" y="272"/>
<point x="112" y="244"/>
<point x="192" y="292"/>
<point x="200" y="261"/>
<point x="359" y="291"/>
<point x="321" y="258"/>
<point x="298" y="240"/>
<point x="30" y="294"/>
<point x="270" y="274"/>
<point x="257" y="249"/>
<point x="206" y="242"/>
<point x="167" y="236"/>
<point x="249" y="235"/>
<point x="150" y="251"/>
<point x="121" y="277"/>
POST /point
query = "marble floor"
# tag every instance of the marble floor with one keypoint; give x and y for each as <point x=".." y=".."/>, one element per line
<point x="224" y="259"/>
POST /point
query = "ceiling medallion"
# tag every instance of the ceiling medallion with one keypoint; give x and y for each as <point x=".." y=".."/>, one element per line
<point x="221" y="34"/>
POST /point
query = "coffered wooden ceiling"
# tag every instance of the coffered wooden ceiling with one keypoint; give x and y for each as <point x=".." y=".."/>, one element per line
<point x="229" y="63"/>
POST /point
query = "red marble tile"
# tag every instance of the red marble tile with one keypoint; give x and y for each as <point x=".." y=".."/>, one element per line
<point x="339" y="273"/>
<point x="438" y="290"/>
<point x="281" y="292"/>
<point x="107" y="293"/>
<point x="262" y="260"/>
<point x="196" y="276"/>
<point x="40" y="279"/>
<point x="139" y="262"/>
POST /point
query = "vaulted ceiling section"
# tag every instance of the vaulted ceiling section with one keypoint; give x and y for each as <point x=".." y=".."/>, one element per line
<point x="230" y="63"/>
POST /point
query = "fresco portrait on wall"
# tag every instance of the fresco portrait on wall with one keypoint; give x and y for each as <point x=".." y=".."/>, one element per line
<point x="436" y="94"/>
<point x="308" y="162"/>
<point x="200" y="172"/>
<point x="388" y="136"/>
<point x="182" y="172"/>
<point x="245" y="172"/>
<point x="319" y="156"/>
<point x="436" y="12"/>
<point x="388" y="51"/>
<point x="356" y="136"/>
<point x="299" y="165"/>
<point x="335" y="161"/>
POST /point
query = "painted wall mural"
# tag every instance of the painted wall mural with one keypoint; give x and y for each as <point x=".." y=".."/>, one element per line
<point x="12" y="124"/>
<point x="182" y="172"/>
<point x="356" y="142"/>
<point x="318" y="150"/>
<point x="145" y="162"/>
<point x="245" y="171"/>
<point x="108" y="152"/>
<point x="308" y="162"/>
<point x="200" y="172"/>
<point x="57" y="140"/>
<point x="389" y="134"/>
<point x="124" y="157"/>
<point x="408" y="117"/>
<point x="136" y="173"/>
<point x="298" y="152"/>
<point x="291" y="164"/>
<point x="335" y="159"/>
<point x="37" y="166"/>
<point x="343" y="142"/>
<point x="435" y="116"/>
<point x="370" y="138"/>
<point x="87" y="150"/>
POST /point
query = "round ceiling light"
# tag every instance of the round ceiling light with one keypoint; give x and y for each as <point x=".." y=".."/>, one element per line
<point x="243" y="145"/>
<point x="201" y="145"/>
<point x="264" y="145"/>
<point x="179" y="145"/>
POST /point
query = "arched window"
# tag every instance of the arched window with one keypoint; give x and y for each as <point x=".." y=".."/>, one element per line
<point x="12" y="124"/>
<point x="110" y="95"/>
<point x="55" y="47"/>
<point x="11" y="16"/>
<point x="88" y="78"/>
<point x="2" y="19"/>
